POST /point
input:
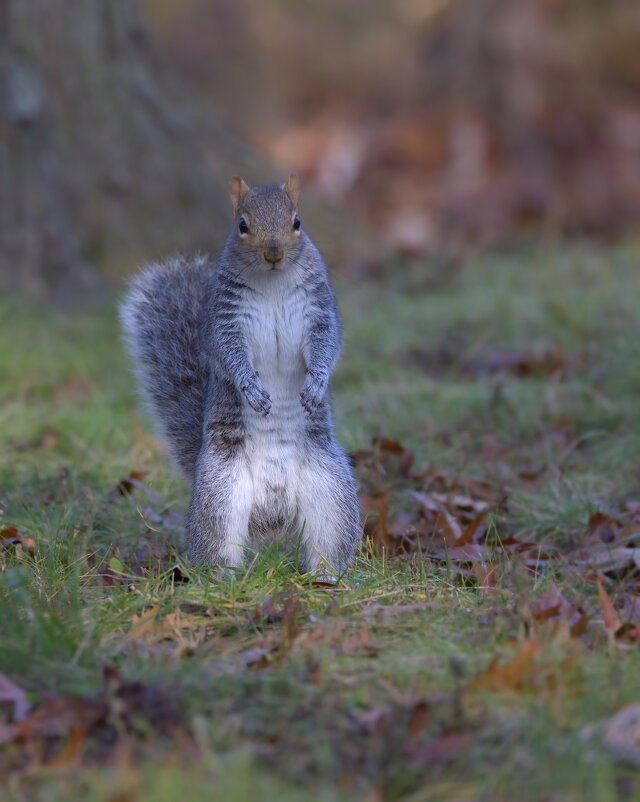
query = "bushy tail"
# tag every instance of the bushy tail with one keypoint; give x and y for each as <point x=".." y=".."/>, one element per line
<point x="161" y="316"/>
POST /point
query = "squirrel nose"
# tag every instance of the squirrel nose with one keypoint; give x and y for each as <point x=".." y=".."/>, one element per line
<point x="273" y="255"/>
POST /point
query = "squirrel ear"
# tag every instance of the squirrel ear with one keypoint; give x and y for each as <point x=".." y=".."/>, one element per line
<point x="292" y="187"/>
<point x="237" y="190"/>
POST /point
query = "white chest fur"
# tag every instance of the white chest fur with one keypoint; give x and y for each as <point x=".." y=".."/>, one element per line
<point x="273" y="327"/>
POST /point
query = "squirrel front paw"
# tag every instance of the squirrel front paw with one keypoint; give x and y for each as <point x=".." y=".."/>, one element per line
<point x="313" y="391"/>
<point x="258" y="398"/>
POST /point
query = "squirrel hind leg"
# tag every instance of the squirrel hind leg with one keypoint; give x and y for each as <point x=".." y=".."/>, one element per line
<point x="218" y="531"/>
<point x="328" y="516"/>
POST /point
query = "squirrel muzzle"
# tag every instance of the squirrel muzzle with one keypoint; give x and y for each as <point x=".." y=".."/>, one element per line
<point x="273" y="255"/>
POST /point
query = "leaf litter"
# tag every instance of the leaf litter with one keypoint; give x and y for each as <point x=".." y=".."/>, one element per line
<point x="447" y="519"/>
<point x="450" y="521"/>
<point x="63" y="727"/>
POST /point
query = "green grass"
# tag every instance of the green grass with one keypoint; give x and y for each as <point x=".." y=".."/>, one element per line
<point x="332" y="710"/>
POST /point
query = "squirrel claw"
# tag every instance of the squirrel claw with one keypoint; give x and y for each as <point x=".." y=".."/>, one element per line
<point x="259" y="400"/>
<point x="263" y="406"/>
<point x="309" y="404"/>
<point x="312" y="394"/>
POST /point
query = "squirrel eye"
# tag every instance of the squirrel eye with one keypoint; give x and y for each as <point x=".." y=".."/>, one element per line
<point x="296" y="223"/>
<point x="243" y="228"/>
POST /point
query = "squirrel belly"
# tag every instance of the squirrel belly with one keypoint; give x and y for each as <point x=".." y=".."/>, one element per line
<point x="233" y="359"/>
<point x="273" y="326"/>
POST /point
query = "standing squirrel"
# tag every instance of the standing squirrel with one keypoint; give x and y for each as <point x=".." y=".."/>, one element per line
<point x="234" y="359"/>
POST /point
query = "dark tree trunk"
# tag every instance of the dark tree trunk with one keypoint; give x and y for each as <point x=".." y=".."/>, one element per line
<point x="105" y="159"/>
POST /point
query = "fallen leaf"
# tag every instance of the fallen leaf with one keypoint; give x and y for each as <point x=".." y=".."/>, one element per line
<point x="486" y="574"/>
<point x="604" y="527"/>
<point x="451" y="527"/>
<point x="290" y="613"/>
<point x="606" y="558"/>
<point x="387" y="444"/>
<point x="609" y="615"/>
<point x="471" y="553"/>
<point x="145" y="626"/>
<point x="420" y="718"/>
<point x="11" y="538"/>
<point x="73" y="749"/>
<point x="127" y="485"/>
<point x="56" y="717"/>
<point x="405" y="455"/>
<point x="376" y="512"/>
<point x="472" y="529"/>
<point x="552" y="605"/>
<point x="518" y="673"/>
<point x="462" y="502"/>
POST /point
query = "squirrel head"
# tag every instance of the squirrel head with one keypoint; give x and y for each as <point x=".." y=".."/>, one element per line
<point x="266" y="222"/>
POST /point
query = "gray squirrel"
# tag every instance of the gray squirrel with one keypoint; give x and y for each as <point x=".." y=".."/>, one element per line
<point x="234" y="359"/>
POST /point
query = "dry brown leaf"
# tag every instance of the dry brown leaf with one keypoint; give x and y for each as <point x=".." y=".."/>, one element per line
<point x="56" y="717"/>
<point x="552" y="605"/>
<point x="471" y="553"/>
<point x="607" y="558"/>
<point x="486" y="573"/>
<point x="376" y="513"/>
<point x="186" y="629"/>
<point x="609" y="615"/>
<point x="290" y="613"/>
<point x="404" y="455"/>
<point x="451" y="527"/>
<point x="8" y="532"/>
<point x="11" y="538"/>
<point x="144" y="626"/>
<point x="387" y="444"/>
<point x="461" y="502"/>
<point x="472" y="529"/>
<point x="427" y="501"/>
<point x="604" y="527"/>
<point x="127" y="485"/>
<point x="518" y="673"/>
<point x="72" y="752"/>
<point x="420" y="719"/>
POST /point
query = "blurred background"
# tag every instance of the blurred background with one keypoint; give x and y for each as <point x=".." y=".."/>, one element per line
<point x="420" y="127"/>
